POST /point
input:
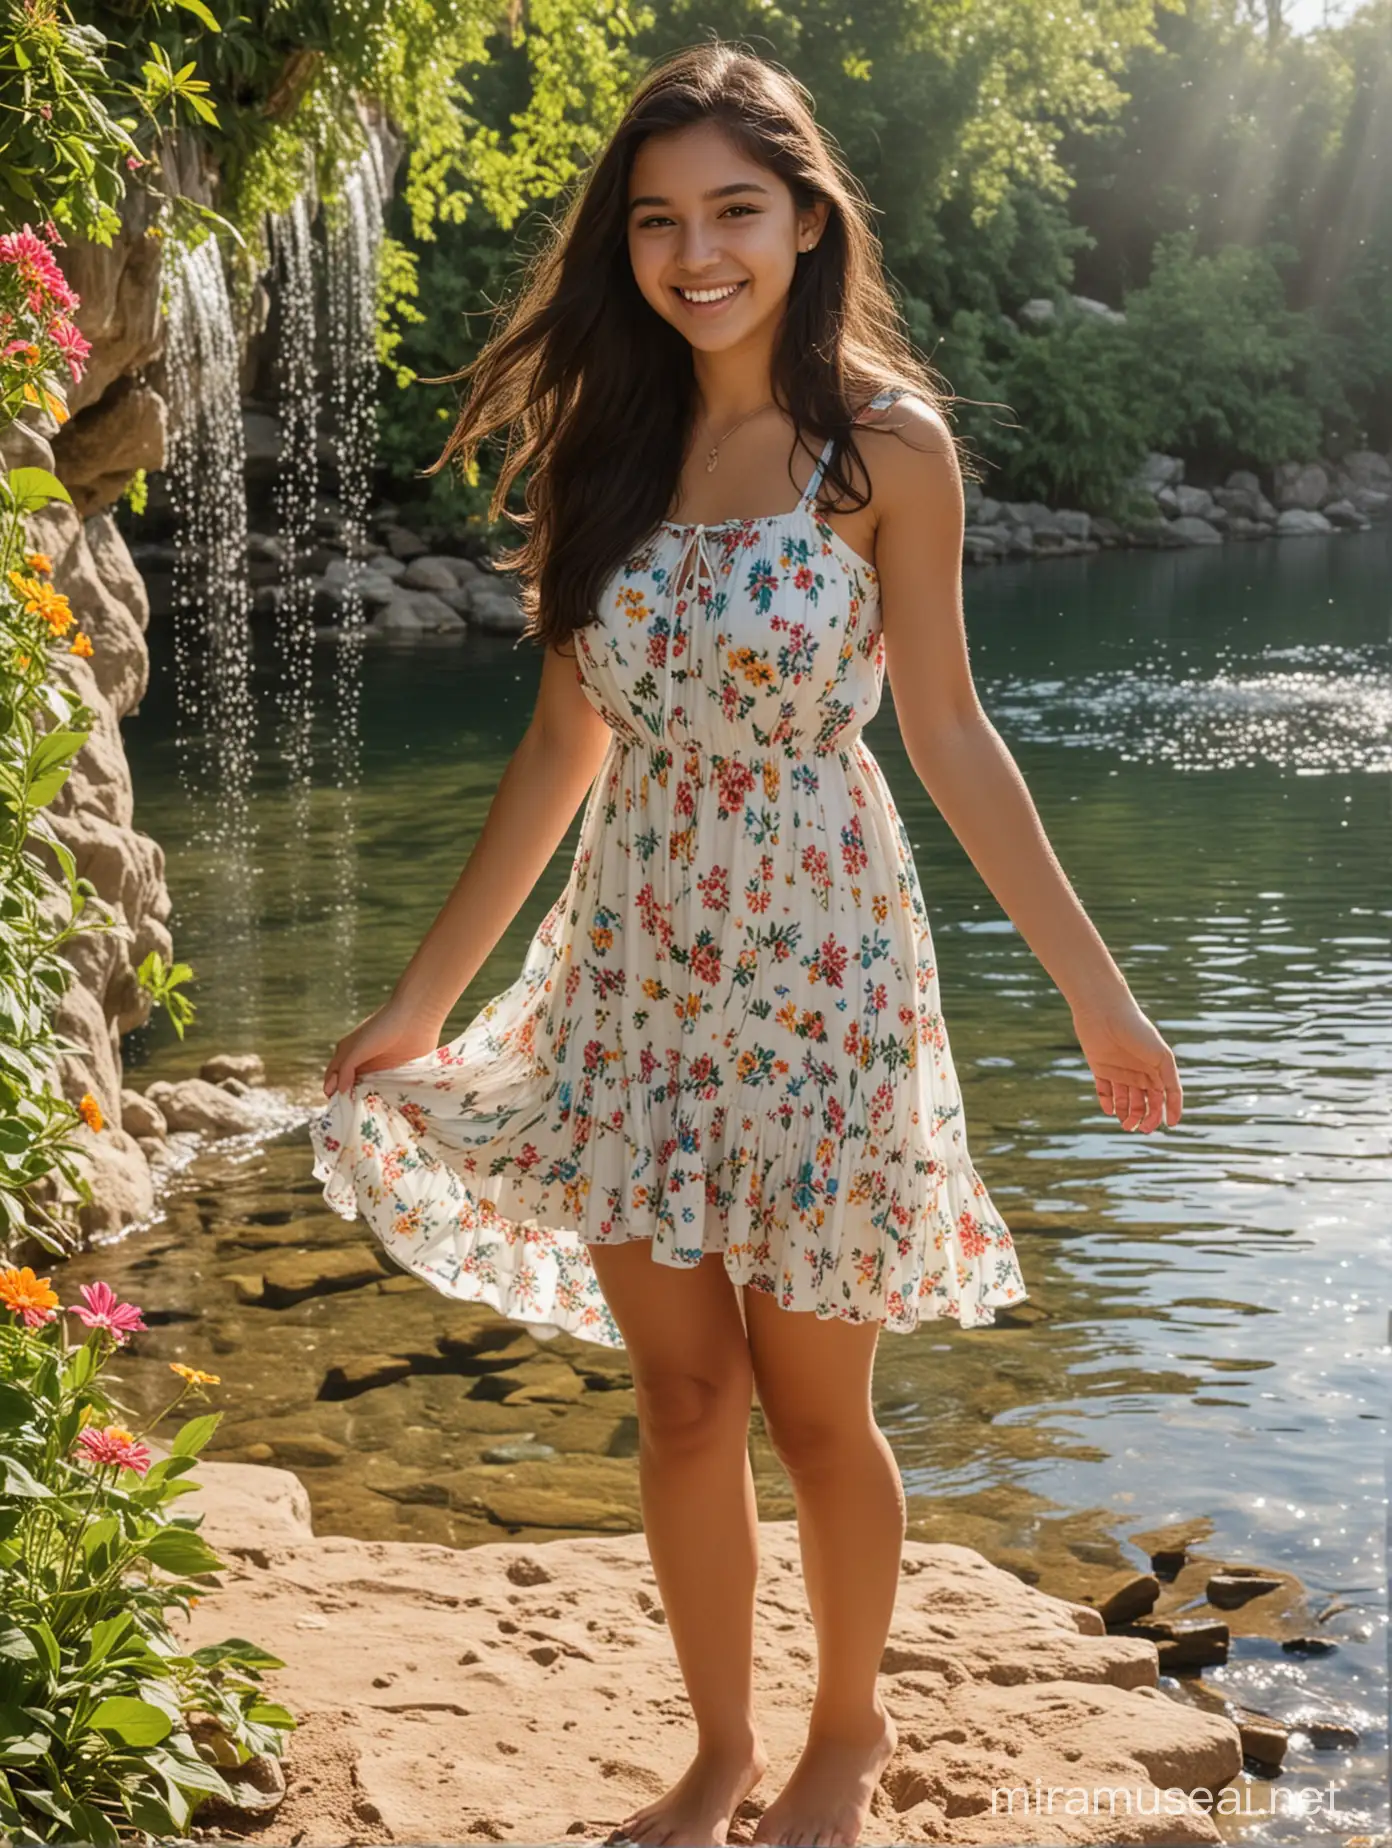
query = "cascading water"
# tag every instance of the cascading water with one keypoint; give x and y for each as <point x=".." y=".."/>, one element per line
<point x="215" y="714"/>
<point x="353" y="230"/>
<point x="292" y="246"/>
<point x="206" y="471"/>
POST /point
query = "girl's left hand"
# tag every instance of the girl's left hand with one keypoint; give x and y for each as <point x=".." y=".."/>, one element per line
<point x="1134" y="1070"/>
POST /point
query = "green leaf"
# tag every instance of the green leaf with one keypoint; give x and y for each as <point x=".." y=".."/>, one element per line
<point x="21" y="1742"/>
<point x="271" y="1713"/>
<point x="191" y="1437"/>
<point x="16" y="1407"/>
<point x="200" y="12"/>
<point x="16" y="1480"/>
<point x="179" y="1549"/>
<point x="93" y="1825"/>
<point x="98" y="1537"/>
<point x="236" y="1649"/>
<point x="45" y="1646"/>
<point x="134" y="1722"/>
<point x="44" y="788"/>
<point x="106" y="1634"/>
<point x="56" y="747"/>
<point x="79" y="1368"/>
<point x="193" y="1774"/>
<point x="36" y="487"/>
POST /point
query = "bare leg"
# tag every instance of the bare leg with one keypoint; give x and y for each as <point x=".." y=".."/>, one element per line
<point x="814" y="1387"/>
<point x="694" y="1383"/>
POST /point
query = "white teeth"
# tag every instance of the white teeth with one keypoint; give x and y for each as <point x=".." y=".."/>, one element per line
<point x="707" y="295"/>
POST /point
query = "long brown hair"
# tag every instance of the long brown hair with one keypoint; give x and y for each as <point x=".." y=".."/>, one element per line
<point x="599" y="391"/>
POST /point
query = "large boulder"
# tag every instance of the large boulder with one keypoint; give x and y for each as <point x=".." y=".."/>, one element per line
<point x="101" y="448"/>
<point x="1302" y="485"/>
<point x="119" y="285"/>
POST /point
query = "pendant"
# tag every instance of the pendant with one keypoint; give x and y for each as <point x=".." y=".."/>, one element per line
<point x="714" y="458"/>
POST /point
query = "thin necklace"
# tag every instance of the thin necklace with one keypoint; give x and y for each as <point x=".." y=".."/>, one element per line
<point x="713" y="453"/>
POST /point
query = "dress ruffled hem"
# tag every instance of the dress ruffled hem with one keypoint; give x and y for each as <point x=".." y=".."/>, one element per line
<point x="941" y="1250"/>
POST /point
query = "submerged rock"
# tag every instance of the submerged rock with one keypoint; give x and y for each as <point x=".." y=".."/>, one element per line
<point x="289" y="1279"/>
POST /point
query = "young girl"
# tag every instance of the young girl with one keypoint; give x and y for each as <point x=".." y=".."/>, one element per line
<point x="715" y="1120"/>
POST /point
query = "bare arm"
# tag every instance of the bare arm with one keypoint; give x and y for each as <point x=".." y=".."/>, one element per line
<point x="544" y="784"/>
<point x="970" y="774"/>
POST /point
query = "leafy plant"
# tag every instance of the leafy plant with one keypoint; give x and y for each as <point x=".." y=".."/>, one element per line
<point x="43" y="725"/>
<point x="161" y="981"/>
<point x="109" y="1728"/>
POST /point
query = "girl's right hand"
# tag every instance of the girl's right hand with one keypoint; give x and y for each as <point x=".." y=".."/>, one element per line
<point x="392" y="1036"/>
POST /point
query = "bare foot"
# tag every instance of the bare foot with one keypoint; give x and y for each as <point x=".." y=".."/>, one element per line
<point x="827" y="1798"/>
<point x="697" y="1810"/>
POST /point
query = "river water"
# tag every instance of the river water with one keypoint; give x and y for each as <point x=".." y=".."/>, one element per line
<point x="1208" y="738"/>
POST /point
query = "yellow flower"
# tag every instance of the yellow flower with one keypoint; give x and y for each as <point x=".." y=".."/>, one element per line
<point x="39" y="561"/>
<point x="21" y="1290"/>
<point x="90" y="1111"/>
<point x="193" y="1375"/>
<point x="120" y="1433"/>
<point x="82" y="644"/>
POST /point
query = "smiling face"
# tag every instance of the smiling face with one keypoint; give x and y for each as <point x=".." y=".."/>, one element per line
<point x="713" y="236"/>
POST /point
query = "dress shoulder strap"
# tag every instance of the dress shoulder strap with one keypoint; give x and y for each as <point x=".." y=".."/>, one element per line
<point x="880" y="402"/>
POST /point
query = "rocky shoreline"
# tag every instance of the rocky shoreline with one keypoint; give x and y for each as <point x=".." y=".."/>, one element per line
<point x="529" y="1692"/>
<point x="432" y="581"/>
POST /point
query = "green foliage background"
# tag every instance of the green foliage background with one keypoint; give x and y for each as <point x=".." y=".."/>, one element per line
<point x="1204" y="171"/>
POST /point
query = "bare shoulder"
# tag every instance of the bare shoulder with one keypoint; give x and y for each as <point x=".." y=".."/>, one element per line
<point x="910" y="452"/>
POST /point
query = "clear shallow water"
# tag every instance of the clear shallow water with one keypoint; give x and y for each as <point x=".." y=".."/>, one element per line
<point x="1208" y="737"/>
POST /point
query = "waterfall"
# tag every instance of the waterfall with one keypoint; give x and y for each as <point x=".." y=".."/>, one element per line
<point x="353" y="229"/>
<point x="206" y="474"/>
<point x="296" y="486"/>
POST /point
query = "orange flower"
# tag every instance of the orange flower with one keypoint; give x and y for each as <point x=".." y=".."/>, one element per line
<point x="21" y="661"/>
<point x="43" y="600"/>
<point x="56" y="611"/>
<point x="82" y="644"/>
<point x="39" y="561"/>
<point x="28" y="1295"/>
<point x="193" y="1375"/>
<point x="90" y="1111"/>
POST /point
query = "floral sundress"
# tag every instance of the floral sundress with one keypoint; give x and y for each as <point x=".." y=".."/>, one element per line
<point x="726" y="1035"/>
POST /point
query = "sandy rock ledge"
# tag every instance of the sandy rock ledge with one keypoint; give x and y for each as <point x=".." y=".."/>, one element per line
<point x="529" y="1693"/>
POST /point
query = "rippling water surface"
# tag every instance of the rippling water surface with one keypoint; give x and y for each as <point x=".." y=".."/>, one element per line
<point x="1208" y="737"/>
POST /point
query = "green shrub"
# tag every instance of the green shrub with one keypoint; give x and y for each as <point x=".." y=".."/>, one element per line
<point x="99" y="1701"/>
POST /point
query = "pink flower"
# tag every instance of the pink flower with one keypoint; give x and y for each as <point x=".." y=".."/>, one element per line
<point x="113" y="1445"/>
<point x="70" y="344"/>
<point x="103" y="1311"/>
<point x="50" y="232"/>
<point x="38" y="271"/>
<point x="134" y="162"/>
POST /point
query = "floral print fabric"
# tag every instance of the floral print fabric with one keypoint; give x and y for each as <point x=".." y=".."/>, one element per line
<point x="726" y="1035"/>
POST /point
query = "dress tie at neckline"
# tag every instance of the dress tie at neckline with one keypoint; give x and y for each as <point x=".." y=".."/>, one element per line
<point x="695" y="631"/>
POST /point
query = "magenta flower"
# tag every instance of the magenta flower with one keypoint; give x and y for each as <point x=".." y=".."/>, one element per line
<point x="113" y="1445"/>
<point x="70" y="344"/>
<point x="38" y="270"/>
<point x="103" y="1311"/>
